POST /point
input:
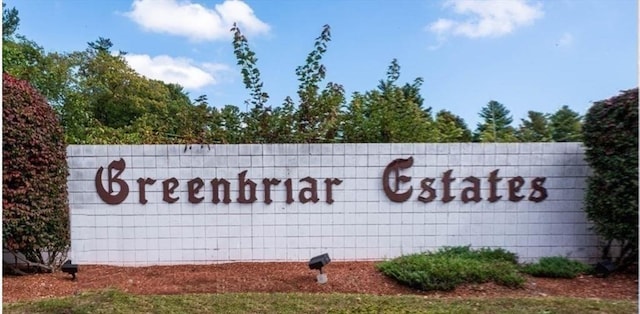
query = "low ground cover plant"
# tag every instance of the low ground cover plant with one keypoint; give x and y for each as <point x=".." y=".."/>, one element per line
<point x="451" y="266"/>
<point x="556" y="267"/>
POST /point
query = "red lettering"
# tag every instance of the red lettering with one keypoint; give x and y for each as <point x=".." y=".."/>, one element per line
<point x="141" y="186"/>
<point x="395" y="167"/>
<point x="168" y="187"/>
<point x="108" y="196"/>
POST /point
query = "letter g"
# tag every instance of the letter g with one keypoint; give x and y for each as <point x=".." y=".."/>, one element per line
<point x="108" y="196"/>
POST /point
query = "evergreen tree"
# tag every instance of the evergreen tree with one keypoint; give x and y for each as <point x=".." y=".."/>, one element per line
<point x="566" y="125"/>
<point x="535" y="128"/>
<point x="496" y="125"/>
<point x="10" y="21"/>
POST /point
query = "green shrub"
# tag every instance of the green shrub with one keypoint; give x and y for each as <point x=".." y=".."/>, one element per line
<point x="556" y="267"/>
<point x="482" y="253"/>
<point x="35" y="211"/>
<point x="611" y="142"/>
<point x="449" y="267"/>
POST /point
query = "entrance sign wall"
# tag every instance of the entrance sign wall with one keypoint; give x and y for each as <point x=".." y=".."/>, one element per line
<point x="174" y="204"/>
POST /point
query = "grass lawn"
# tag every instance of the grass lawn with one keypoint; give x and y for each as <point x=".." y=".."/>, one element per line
<point x="113" y="301"/>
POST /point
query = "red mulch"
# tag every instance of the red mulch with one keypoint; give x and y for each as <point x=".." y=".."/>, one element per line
<point x="344" y="277"/>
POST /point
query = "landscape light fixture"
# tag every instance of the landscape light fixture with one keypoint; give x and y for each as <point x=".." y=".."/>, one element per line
<point x="317" y="263"/>
<point x="69" y="268"/>
<point x="604" y="268"/>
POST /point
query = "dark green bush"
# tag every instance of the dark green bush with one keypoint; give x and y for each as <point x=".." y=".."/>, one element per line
<point x="35" y="211"/>
<point x="449" y="267"/>
<point x="481" y="253"/>
<point x="611" y="141"/>
<point x="556" y="267"/>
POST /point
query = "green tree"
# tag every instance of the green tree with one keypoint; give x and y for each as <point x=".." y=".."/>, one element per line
<point x="316" y="118"/>
<point x="194" y="122"/>
<point x="317" y="115"/>
<point x="391" y="113"/>
<point x="171" y="114"/>
<point x="49" y="73"/>
<point x="10" y="21"/>
<point x="284" y="122"/>
<point x="496" y="125"/>
<point x="451" y="128"/>
<point x="611" y="203"/>
<point x="99" y="98"/>
<point x="566" y="125"/>
<point x="111" y="86"/>
<point x="535" y="128"/>
<point x="231" y="125"/>
<point x="358" y="125"/>
<point x="111" y="103"/>
<point x="257" y="119"/>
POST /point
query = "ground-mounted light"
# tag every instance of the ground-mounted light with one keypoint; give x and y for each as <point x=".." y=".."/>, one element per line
<point x="69" y="268"/>
<point x="317" y="263"/>
<point x="604" y="268"/>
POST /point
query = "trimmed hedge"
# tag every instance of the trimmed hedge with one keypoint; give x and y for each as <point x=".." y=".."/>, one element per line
<point x="35" y="210"/>
<point x="611" y="141"/>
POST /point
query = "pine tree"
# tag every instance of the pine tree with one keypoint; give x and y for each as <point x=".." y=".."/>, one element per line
<point x="535" y="128"/>
<point x="496" y="126"/>
<point x="566" y="125"/>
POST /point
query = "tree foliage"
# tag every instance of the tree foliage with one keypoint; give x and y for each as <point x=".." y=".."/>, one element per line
<point x="389" y="114"/>
<point x="496" y="124"/>
<point x="230" y="126"/>
<point x="535" y="128"/>
<point x="258" y="118"/>
<point x="451" y="128"/>
<point x="35" y="211"/>
<point x="317" y="115"/>
<point x="566" y="125"/>
<point x="101" y="99"/>
<point x="10" y="21"/>
<point x="25" y="59"/>
<point x="111" y="103"/>
<point x="611" y="142"/>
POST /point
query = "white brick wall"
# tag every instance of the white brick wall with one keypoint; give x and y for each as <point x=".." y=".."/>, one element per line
<point x="361" y="223"/>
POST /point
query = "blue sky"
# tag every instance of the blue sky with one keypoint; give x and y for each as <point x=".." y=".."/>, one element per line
<point x="528" y="55"/>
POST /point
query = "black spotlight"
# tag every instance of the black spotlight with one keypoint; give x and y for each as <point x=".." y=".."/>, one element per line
<point x="317" y="263"/>
<point x="604" y="268"/>
<point x="69" y="268"/>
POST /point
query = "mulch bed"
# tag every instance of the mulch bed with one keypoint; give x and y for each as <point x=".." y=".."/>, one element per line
<point x="344" y="277"/>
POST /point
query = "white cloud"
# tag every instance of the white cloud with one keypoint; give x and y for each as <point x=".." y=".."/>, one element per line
<point x="176" y="70"/>
<point x="486" y="18"/>
<point x="565" y="40"/>
<point x="195" y="21"/>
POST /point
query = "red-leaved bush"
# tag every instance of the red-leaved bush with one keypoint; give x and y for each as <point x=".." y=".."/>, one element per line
<point x="35" y="210"/>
